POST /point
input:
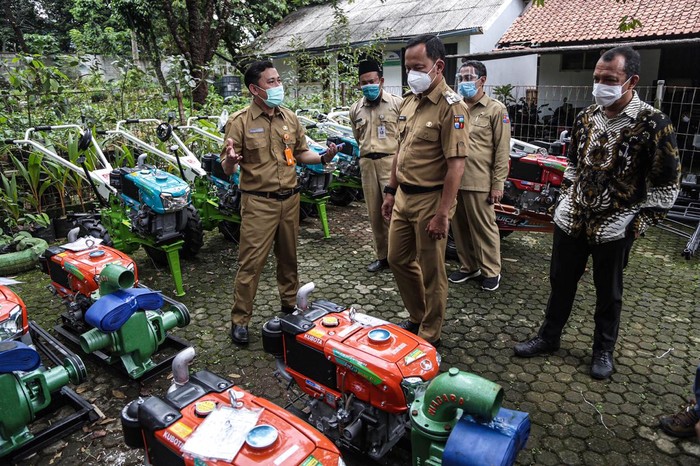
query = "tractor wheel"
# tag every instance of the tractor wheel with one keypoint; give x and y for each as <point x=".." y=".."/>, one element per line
<point x="90" y="226"/>
<point x="343" y="196"/>
<point x="230" y="230"/>
<point x="158" y="256"/>
<point x="194" y="233"/>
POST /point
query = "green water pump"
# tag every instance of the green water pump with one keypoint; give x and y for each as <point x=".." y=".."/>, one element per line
<point x="24" y="394"/>
<point x="435" y="411"/>
<point x="137" y="339"/>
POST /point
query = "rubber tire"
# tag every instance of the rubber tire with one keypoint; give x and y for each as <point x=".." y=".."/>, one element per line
<point x="307" y="210"/>
<point x="343" y="197"/>
<point x="90" y="226"/>
<point x="194" y="233"/>
<point x="230" y="230"/>
<point x="158" y="256"/>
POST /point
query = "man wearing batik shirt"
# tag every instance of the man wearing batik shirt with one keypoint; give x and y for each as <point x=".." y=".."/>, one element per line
<point x="623" y="175"/>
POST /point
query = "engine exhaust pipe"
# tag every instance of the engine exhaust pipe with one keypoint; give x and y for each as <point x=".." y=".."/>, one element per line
<point x="181" y="372"/>
<point x="352" y="431"/>
<point x="141" y="160"/>
<point x="303" y="295"/>
<point x="282" y="369"/>
<point x="72" y="235"/>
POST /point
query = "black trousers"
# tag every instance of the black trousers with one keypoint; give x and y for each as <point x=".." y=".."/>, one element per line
<point x="569" y="258"/>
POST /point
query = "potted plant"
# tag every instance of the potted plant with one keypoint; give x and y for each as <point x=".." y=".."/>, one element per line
<point x="40" y="226"/>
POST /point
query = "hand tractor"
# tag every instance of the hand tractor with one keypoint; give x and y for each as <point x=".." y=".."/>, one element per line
<point x="107" y="316"/>
<point x="346" y="185"/>
<point x="31" y="391"/>
<point x="205" y="419"/>
<point x="139" y="206"/>
<point x="366" y="384"/>
<point x="313" y="179"/>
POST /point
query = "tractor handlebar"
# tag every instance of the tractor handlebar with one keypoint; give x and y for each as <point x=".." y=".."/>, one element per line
<point x="43" y="128"/>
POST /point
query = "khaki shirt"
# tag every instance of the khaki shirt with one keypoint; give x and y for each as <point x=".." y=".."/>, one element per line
<point x="261" y="141"/>
<point x="375" y="127"/>
<point x="486" y="168"/>
<point x="432" y="129"/>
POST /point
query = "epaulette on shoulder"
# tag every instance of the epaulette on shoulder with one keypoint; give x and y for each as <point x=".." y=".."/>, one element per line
<point x="238" y="113"/>
<point x="451" y="97"/>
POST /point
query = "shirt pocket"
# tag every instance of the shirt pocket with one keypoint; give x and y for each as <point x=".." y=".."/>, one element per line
<point x="429" y="134"/>
<point x="255" y="148"/>
<point x="392" y="127"/>
<point x="361" y="127"/>
<point x="402" y="130"/>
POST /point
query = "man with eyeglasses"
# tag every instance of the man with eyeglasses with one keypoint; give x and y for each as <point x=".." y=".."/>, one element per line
<point x="485" y="170"/>
<point x="375" y="126"/>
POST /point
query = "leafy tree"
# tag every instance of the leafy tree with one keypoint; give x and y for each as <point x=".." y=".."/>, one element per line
<point x="196" y="26"/>
<point x="100" y="31"/>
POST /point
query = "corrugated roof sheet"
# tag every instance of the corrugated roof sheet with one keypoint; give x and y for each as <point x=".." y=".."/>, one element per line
<point x="572" y="21"/>
<point x="370" y="19"/>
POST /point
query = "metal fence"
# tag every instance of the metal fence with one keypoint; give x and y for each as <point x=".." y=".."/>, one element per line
<point x="543" y="112"/>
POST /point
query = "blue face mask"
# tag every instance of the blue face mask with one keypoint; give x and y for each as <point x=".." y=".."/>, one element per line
<point x="371" y="91"/>
<point x="275" y="96"/>
<point x="467" y="89"/>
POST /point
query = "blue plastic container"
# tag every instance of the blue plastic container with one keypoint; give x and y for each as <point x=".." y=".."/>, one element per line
<point x="495" y="443"/>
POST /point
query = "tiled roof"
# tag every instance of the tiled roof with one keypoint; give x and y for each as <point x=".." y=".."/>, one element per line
<point x="576" y="21"/>
<point x="370" y="19"/>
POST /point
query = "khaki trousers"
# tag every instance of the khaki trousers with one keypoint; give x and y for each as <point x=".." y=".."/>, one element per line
<point x="264" y="222"/>
<point x="418" y="262"/>
<point x="476" y="234"/>
<point x="375" y="175"/>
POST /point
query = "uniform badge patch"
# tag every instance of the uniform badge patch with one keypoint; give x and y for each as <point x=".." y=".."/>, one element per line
<point x="506" y="120"/>
<point x="459" y="121"/>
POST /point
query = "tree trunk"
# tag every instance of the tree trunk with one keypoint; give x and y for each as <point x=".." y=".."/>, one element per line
<point x="19" y="36"/>
<point x="201" y="90"/>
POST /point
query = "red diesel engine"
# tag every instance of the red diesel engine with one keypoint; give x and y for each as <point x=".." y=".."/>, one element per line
<point x="357" y="374"/>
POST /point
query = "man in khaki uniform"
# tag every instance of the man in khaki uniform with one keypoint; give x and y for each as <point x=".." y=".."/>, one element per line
<point x="474" y="224"/>
<point x="421" y="195"/>
<point x="375" y="127"/>
<point x="266" y="140"/>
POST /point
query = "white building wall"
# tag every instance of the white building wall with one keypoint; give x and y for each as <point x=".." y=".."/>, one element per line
<point x="551" y="73"/>
<point x="518" y="71"/>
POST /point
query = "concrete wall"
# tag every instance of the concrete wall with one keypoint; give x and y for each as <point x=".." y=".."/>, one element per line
<point x="551" y="74"/>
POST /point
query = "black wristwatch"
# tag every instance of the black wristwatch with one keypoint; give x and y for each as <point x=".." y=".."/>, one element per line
<point x="389" y="190"/>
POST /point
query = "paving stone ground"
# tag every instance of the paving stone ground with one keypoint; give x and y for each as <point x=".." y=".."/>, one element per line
<point x="575" y="419"/>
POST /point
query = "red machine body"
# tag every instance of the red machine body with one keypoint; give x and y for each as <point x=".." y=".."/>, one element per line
<point x="372" y="371"/>
<point x="530" y="192"/>
<point x="13" y="316"/>
<point x="76" y="273"/>
<point x="296" y="443"/>
<point x="355" y="374"/>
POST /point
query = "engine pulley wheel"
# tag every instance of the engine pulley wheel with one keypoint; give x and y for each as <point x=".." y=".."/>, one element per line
<point x="164" y="131"/>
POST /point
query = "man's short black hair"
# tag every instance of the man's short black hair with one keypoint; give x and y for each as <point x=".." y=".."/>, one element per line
<point x="434" y="48"/>
<point x="255" y="70"/>
<point x="479" y="67"/>
<point x="632" y="60"/>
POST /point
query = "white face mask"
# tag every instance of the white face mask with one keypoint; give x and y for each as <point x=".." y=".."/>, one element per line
<point x="419" y="81"/>
<point x="686" y="119"/>
<point x="605" y="94"/>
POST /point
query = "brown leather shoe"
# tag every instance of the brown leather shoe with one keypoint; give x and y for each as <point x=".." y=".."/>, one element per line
<point x="681" y="424"/>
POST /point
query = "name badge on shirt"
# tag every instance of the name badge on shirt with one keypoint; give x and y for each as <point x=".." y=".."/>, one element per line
<point x="381" y="132"/>
<point x="256" y="130"/>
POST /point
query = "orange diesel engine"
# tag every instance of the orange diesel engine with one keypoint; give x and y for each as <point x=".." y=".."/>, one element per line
<point x="75" y="270"/>
<point x="13" y="317"/>
<point x="357" y="374"/>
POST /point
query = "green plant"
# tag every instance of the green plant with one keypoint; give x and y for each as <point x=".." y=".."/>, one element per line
<point x="10" y="202"/>
<point x="34" y="177"/>
<point x="37" y="220"/>
<point x="504" y="94"/>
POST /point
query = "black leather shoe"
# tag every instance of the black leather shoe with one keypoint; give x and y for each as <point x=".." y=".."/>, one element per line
<point x="239" y="334"/>
<point x="287" y="309"/>
<point x="436" y="344"/>
<point x="378" y="265"/>
<point x="602" y="365"/>
<point x="410" y="326"/>
<point x="534" y="347"/>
